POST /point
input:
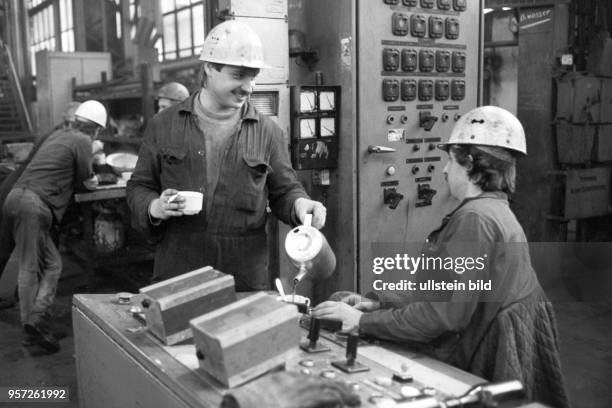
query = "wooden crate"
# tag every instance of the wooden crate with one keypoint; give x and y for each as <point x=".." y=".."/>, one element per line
<point x="241" y="341"/>
<point x="581" y="193"/>
<point x="578" y="98"/>
<point x="603" y="144"/>
<point x="171" y="304"/>
<point x="575" y="143"/>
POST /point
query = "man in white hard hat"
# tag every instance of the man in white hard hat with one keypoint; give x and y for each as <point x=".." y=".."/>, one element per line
<point x="37" y="202"/>
<point x="491" y="331"/>
<point x="6" y="240"/>
<point x="171" y="94"/>
<point x="216" y="143"/>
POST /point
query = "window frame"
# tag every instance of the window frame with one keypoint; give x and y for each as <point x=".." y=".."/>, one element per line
<point x="194" y="46"/>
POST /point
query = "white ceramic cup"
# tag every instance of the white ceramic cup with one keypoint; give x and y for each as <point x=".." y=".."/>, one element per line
<point x="193" y="202"/>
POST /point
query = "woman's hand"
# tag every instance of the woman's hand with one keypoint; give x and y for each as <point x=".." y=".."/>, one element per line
<point x="348" y="315"/>
<point x="356" y="300"/>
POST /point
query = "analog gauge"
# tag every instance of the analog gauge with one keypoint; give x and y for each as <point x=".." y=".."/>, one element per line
<point x="328" y="127"/>
<point x="327" y="101"/>
<point x="307" y="101"/>
<point x="307" y="128"/>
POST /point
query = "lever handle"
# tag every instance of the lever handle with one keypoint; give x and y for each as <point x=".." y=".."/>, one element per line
<point x="380" y="149"/>
<point x="392" y="197"/>
<point x="313" y="332"/>
<point x="351" y="348"/>
<point x="427" y="120"/>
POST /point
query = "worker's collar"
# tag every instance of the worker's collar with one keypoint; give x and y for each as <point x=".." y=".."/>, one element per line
<point x="248" y="111"/>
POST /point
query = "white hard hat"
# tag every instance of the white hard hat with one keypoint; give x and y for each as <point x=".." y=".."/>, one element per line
<point x="173" y="91"/>
<point x="488" y="126"/>
<point x="93" y="111"/>
<point x="233" y="43"/>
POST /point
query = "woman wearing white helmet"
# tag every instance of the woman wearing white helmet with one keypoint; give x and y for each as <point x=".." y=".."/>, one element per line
<point x="36" y="204"/>
<point x="504" y="331"/>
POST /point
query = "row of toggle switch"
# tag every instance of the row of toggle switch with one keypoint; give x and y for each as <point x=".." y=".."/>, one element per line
<point x="457" y="5"/>
<point x="416" y="24"/>
<point x="404" y="118"/>
<point x="425" y="89"/>
<point x="425" y="60"/>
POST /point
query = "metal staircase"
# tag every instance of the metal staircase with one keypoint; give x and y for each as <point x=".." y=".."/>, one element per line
<point x="15" y="123"/>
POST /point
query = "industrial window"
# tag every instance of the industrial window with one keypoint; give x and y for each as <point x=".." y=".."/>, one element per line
<point x="184" y="28"/>
<point x="51" y="27"/>
<point x="134" y="11"/>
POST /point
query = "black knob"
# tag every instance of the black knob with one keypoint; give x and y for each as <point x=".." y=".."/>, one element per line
<point x="313" y="332"/>
<point x="351" y="348"/>
<point x="145" y="303"/>
<point x="199" y="355"/>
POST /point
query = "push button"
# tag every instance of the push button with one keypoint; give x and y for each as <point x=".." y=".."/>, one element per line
<point x="458" y="61"/>
<point x="452" y="28"/>
<point x="409" y="60"/>
<point x="425" y="90"/>
<point x="436" y="27"/>
<point x="443" y="61"/>
<point x="418" y="25"/>
<point x="399" y="24"/>
<point x="390" y="90"/>
<point x="426" y="60"/>
<point x="409" y="90"/>
<point x="391" y="59"/>
<point x="442" y="90"/>
<point x="444" y="4"/>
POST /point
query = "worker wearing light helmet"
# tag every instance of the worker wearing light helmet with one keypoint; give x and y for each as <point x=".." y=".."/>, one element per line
<point x="452" y="324"/>
<point x="171" y="94"/>
<point x="216" y="143"/>
<point x="35" y="206"/>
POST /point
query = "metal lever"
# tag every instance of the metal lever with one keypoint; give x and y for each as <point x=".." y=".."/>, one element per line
<point x="427" y="121"/>
<point x="311" y="345"/>
<point x="350" y="365"/>
<point x="425" y="193"/>
<point x="380" y="149"/>
<point x="392" y="197"/>
<point x="489" y="395"/>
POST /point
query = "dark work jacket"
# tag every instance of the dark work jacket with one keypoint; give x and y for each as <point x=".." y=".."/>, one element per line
<point x="521" y="343"/>
<point x="7" y="244"/>
<point x="450" y="326"/>
<point x="58" y="169"/>
<point x="255" y="170"/>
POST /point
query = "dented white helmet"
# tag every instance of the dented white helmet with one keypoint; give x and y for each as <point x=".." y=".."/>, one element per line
<point x="489" y="126"/>
<point x="92" y="111"/>
<point x="233" y="43"/>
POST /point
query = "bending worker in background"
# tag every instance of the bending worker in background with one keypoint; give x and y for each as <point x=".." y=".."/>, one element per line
<point x="501" y="334"/>
<point x="6" y="239"/>
<point x="215" y="142"/>
<point x="36" y="203"/>
<point x="170" y="94"/>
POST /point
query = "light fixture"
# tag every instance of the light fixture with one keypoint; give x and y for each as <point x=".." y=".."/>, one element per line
<point x="487" y="10"/>
<point x="297" y="49"/>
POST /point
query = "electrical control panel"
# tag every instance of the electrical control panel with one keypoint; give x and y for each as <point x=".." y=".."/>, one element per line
<point x="419" y="70"/>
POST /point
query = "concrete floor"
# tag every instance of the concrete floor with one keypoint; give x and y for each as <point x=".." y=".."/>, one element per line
<point x="585" y="330"/>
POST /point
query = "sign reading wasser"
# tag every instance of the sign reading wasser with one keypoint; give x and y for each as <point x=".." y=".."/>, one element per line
<point x="585" y="192"/>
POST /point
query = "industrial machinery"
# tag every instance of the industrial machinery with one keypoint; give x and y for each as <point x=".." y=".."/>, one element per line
<point x="405" y="71"/>
<point x="418" y="72"/>
<point x="240" y="344"/>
